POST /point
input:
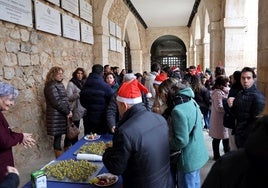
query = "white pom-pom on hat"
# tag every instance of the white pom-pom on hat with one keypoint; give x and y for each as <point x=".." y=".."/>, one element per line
<point x="149" y="95"/>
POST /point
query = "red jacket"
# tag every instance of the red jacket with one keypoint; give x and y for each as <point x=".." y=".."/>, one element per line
<point x="7" y="140"/>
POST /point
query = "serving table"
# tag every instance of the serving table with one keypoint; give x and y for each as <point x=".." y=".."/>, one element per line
<point x="69" y="154"/>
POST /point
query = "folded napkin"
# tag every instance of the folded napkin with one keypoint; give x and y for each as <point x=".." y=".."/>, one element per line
<point x="89" y="157"/>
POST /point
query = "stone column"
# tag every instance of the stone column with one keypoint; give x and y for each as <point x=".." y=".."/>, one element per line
<point x="136" y="60"/>
<point x="214" y="29"/>
<point x="190" y="57"/>
<point x="262" y="67"/>
<point x="101" y="45"/>
<point x="234" y="43"/>
<point x="199" y="52"/>
<point x="206" y="49"/>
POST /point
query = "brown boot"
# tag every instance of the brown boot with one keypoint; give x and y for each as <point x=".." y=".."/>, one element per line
<point x="57" y="153"/>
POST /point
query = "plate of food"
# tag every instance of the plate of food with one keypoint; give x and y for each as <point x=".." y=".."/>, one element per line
<point x="105" y="179"/>
<point x="72" y="171"/>
<point x="92" y="137"/>
<point x="93" y="147"/>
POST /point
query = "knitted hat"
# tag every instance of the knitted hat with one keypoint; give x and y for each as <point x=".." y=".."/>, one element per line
<point x="129" y="76"/>
<point x="130" y="92"/>
<point x="7" y="89"/>
<point x="174" y="68"/>
<point x="160" y="78"/>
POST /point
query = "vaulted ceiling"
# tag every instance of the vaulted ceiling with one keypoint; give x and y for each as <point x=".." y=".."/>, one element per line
<point x="164" y="13"/>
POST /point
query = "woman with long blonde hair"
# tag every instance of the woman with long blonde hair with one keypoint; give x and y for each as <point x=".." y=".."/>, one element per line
<point x="57" y="108"/>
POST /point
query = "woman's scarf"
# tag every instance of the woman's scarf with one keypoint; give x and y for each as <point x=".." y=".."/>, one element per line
<point x="78" y="83"/>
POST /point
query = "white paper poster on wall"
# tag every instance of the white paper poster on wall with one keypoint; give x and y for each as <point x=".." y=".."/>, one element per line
<point x="71" y="6"/>
<point x="118" y="31"/>
<point x="47" y="19"/>
<point x="85" y="10"/>
<point x="118" y="45"/>
<point x="113" y="43"/>
<point x="55" y="2"/>
<point x="18" y="12"/>
<point x="70" y="27"/>
<point x="87" y="33"/>
<point x="112" y="28"/>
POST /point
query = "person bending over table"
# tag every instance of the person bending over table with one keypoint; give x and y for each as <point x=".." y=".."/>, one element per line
<point x="140" y="151"/>
<point x="12" y="179"/>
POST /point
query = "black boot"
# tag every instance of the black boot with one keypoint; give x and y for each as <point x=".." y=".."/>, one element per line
<point x="215" y="147"/>
<point x="226" y="146"/>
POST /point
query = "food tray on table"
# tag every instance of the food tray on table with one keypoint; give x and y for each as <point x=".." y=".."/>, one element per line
<point x="93" y="148"/>
<point x="92" y="137"/>
<point x="72" y="171"/>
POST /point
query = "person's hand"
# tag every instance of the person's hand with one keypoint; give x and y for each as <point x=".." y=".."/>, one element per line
<point x="112" y="129"/>
<point x="70" y="115"/>
<point x="230" y="101"/>
<point x="11" y="169"/>
<point x="28" y="140"/>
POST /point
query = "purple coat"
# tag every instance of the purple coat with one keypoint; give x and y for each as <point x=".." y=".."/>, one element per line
<point x="7" y="140"/>
<point x="217" y="130"/>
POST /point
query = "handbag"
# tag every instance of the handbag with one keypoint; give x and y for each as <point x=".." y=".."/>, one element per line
<point x="72" y="130"/>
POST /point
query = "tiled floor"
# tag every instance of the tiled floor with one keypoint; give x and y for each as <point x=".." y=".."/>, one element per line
<point x="26" y="171"/>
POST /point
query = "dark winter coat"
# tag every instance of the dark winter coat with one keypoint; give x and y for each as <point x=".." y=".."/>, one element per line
<point x="8" y="138"/>
<point x="248" y="104"/>
<point x="246" y="167"/>
<point x="57" y="108"/>
<point x="11" y="181"/>
<point x="203" y="98"/>
<point x="140" y="151"/>
<point x="95" y="97"/>
<point x="228" y="118"/>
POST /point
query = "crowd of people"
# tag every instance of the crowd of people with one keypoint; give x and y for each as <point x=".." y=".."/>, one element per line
<point x="152" y="116"/>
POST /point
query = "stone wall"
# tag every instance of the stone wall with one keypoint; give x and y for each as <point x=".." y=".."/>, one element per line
<point x="26" y="55"/>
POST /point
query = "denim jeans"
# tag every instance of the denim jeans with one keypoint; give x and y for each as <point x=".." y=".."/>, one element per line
<point x="189" y="180"/>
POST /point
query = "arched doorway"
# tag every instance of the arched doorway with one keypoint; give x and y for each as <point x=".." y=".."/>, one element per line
<point x="128" y="63"/>
<point x="169" y="50"/>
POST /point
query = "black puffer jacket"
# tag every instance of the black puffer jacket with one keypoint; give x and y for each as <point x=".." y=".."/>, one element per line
<point x="95" y="97"/>
<point x="248" y="104"/>
<point x="57" y="108"/>
<point x="140" y="150"/>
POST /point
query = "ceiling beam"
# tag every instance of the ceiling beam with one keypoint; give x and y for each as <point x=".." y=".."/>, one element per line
<point x="194" y="11"/>
<point x="135" y="12"/>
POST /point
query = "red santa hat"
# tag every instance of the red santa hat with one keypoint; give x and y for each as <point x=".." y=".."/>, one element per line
<point x="174" y="68"/>
<point x="160" y="78"/>
<point x="130" y="92"/>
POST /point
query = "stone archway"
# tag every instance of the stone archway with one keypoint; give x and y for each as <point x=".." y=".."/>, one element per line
<point x="132" y="39"/>
<point x="170" y="50"/>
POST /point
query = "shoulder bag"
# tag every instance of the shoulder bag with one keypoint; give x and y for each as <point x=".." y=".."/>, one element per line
<point x="72" y="130"/>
